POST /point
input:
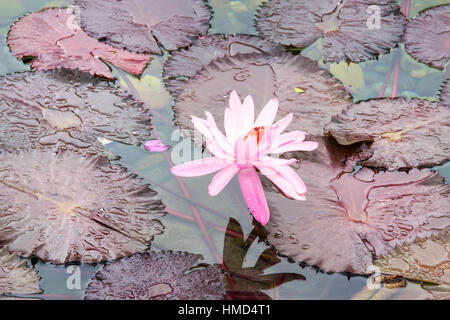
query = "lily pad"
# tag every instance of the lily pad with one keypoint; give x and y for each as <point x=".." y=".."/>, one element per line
<point x="264" y="77"/>
<point x="427" y="37"/>
<point x="405" y="133"/>
<point x="162" y="275"/>
<point x="184" y="64"/>
<point x="424" y="260"/>
<point x="15" y="277"/>
<point x="348" y="29"/>
<point x="348" y="218"/>
<point x="138" y="25"/>
<point x="65" y="45"/>
<point x="444" y="96"/>
<point x="66" y="207"/>
<point x="58" y="110"/>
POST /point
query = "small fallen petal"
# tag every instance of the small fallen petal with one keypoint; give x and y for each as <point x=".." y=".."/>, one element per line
<point x="155" y="146"/>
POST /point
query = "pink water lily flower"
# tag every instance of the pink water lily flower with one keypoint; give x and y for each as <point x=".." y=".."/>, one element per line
<point x="246" y="146"/>
<point x="155" y="146"/>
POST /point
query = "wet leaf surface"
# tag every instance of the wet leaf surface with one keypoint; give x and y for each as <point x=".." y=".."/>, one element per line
<point x="65" y="207"/>
<point x="15" y="277"/>
<point x="66" y="45"/>
<point x="427" y="37"/>
<point x="247" y="282"/>
<point x="405" y="133"/>
<point x="184" y="64"/>
<point x="139" y="25"/>
<point x="58" y="110"/>
<point x="264" y="77"/>
<point x="342" y="26"/>
<point x="164" y="275"/>
<point x="348" y="218"/>
<point x="424" y="260"/>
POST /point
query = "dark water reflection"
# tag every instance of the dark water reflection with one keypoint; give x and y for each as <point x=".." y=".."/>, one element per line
<point x="255" y="271"/>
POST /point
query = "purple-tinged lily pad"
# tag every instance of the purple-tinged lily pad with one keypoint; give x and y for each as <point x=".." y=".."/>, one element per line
<point x="15" y="277"/>
<point x="310" y="93"/>
<point x="138" y="25"/>
<point x="405" y="133"/>
<point x="162" y="275"/>
<point x="58" y="110"/>
<point x="55" y="40"/>
<point x="444" y="96"/>
<point x="423" y="260"/>
<point x="66" y="207"/>
<point x="427" y="37"/>
<point x="184" y="64"/>
<point x="352" y="30"/>
<point x="347" y="219"/>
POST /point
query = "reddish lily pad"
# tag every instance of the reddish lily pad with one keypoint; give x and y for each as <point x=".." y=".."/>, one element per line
<point x="310" y="93"/>
<point x="348" y="218"/>
<point x="444" y="96"/>
<point x="15" y="277"/>
<point x="138" y="25"/>
<point x="65" y="45"/>
<point x="162" y="275"/>
<point x="58" y="110"/>
<point x="427" y="37"/>
<point x="424" y="260"/>
<point x="184" y="64"/>
<point x="66" y="207"/>
<point x="405" y="133"/>
<point x="346" y="28"/>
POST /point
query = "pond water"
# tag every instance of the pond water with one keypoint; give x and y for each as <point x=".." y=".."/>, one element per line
<point x="187" y="199"/>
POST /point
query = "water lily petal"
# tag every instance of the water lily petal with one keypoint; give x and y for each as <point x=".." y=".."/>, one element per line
<point x="268" y="114"/>
<point x="253" y="193"/>
<point x="202" y="126"/>
<point x="210" y="120"/>
<point x="235" y="102"/>
<point x="246" y="116"/>
<point x="273" y="162"/>
<point x="291" y="136"/>
<point x="282" y="124"/>
<point x="220" y="138"/>
<point x="199" y="167"/>
<point x="222" y="178"/>
<point x="285" y="186"/>
<point x="230" y="126"/>
<point x="209" y="129"/>
<point x="297" y="146"/>
<point x="290" y="175"/>
<point x="277" y="140"/>
<point x="214" y="147"/>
